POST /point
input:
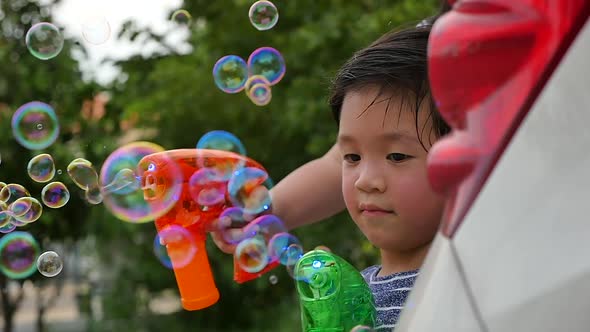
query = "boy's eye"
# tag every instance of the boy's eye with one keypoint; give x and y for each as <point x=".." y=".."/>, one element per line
<point x="351" y="158"/>
<point x="397" y="157"/>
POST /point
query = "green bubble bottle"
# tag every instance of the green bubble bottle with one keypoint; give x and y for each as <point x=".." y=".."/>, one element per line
<point x="333" y="295"/>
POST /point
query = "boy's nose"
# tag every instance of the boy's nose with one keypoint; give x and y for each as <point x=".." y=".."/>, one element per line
<point x="371" y="178"/>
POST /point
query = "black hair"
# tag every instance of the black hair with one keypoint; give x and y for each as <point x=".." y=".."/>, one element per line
<point x="395" y="63"/>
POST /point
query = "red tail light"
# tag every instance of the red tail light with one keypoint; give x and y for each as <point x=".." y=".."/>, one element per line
<point x="488" y="61"/>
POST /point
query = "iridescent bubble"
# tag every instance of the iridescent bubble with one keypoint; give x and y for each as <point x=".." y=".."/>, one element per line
<point x="230" y="73"/>
<point x="83" y="173"/>
<point x="11" y="192"/>
<point x="256" y="79"/>
<point x="84" y="176"/>
<point x="175" y="246"/>
<point x="41" y="168"/>
<point x="263" y="15"/>
<point x="361" y="328"/>
<point x="125" y="181"/>
<point x="266" y="226"/>
<point x="7" y="228"/>
<point x="268" y="62"/>
<point x="55" y="195"/>
<point x="20" y="206"/>
<point x="49" y="264"/>
<point x="294" y="254"/>
<point x="32" y="214"/>
<point x="237" y="219"/>
<point x="18" y="252"/>
<point x="181" y="16"/>
<point x="247" y="191"/>
<point x="5" y="215"/>
<point x="221" y="140"/>
<point x="96" y="30"/>
<point x="280" y="248"/>
<point x="260" y="94"/>
<point x="273" y="279"/>
<point x="225" y="141"/>
<point x="44" y="41"/>
<point x="93" y="195"/>
<point x="251" y="254"/>
<point x="207" y="187"/>
<point x="161" y="182"/>
<point x="35" y="125"/>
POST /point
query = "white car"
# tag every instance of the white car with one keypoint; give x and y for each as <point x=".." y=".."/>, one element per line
<point x="512" y="77"/>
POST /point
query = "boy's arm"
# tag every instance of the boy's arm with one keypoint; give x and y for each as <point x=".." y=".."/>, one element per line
<point x="310" y="193"/>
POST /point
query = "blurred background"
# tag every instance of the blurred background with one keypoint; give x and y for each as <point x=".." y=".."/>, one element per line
<point x="151" y="80"/>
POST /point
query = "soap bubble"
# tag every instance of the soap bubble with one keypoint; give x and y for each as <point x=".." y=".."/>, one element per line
<point x="246" y="190"/>
<point x="237" y="218"/>
<point x="35" y="125"/>
<point x="160" y="179"/>
<point x="263" y="15"/>
<point x="175" y="246"/>
<point x="361" y="328"/>
<point x="273" y="279"/>
<point x="221" y="140"/>
<point x="32" y="213"/>
<point x="18" y="252"/>
<point x="207" y="187"/>
<point x="260" y="94"/>
<point x="255" y="79"/>
<point x="181" y="16"/>
<point x="44" y="41"/>
<point x="124" y="182"/>
<point x="281" y="247"/>
<point x="251" y="255"/>
<point x="55" y="195"/>
<point x="224" y="141"/>
<point x="268" y="62"/>
<point x="266" y="226"/>
<point x="49" y="264"/>
<point x="83" y="173"/>
<point x="41" y="168"/>
<point x="11" y="192"/>
<point x="5" y="216"/>
<point x="230" y="73"/>
<point x="8" y="227"/>
<point x="96" y="30"/>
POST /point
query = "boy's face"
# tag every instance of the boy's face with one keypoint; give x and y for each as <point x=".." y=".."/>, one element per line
<point x="384" y="179"/>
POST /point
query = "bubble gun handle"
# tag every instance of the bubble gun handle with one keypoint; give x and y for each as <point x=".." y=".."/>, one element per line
<point x="195" y="280"/>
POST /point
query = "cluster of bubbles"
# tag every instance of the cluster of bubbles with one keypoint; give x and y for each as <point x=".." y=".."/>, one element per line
<point x="265" y="67"/>
<point x="20" y="257"/>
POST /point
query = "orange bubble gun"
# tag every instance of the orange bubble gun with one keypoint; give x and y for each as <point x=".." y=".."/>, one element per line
<point x="175" y="168"/>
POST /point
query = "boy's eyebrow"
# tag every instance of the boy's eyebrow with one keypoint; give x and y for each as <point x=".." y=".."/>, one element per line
<point x="390" y="136"/>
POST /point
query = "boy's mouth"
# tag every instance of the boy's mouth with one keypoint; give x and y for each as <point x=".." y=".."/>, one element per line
<point x="374" y="210"/>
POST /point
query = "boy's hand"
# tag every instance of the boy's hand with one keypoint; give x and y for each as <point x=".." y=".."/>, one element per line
<point x="227" y="234"/>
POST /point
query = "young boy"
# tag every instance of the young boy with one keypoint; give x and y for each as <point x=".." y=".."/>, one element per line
<point x="387" y="122"/>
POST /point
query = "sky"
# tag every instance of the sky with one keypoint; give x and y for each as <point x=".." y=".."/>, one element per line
<point x="96" y="17"/>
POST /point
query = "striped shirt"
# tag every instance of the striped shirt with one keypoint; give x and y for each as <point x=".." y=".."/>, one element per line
<point x="390" y="293"/>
